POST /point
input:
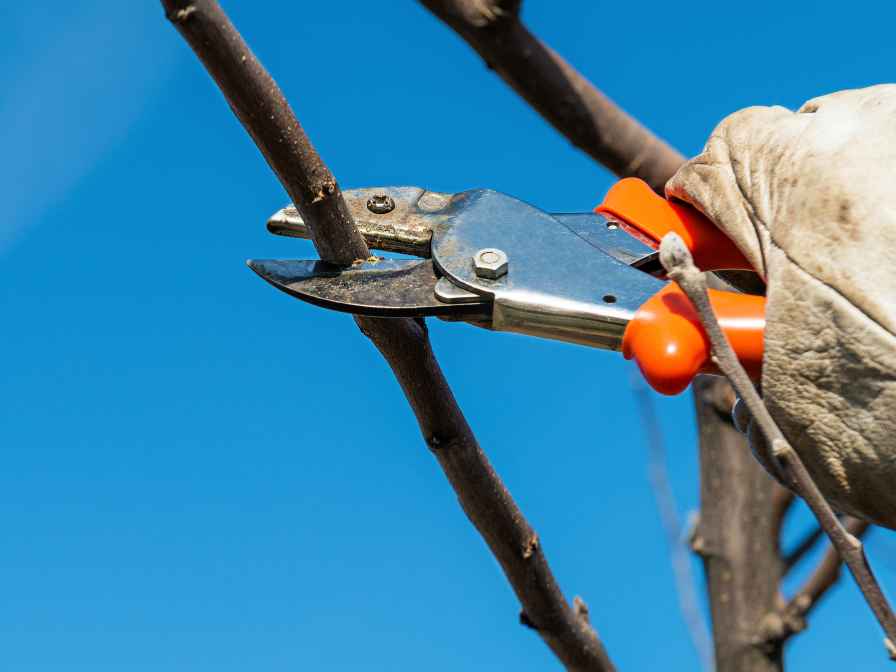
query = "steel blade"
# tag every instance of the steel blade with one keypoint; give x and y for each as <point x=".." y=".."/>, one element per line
<point x="381" y="288"/>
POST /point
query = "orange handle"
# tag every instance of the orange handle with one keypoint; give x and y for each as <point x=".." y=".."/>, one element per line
<point x="648" y="216"/>
<point x="668" y="342"/>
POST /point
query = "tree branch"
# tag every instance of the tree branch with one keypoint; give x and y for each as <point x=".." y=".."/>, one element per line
<point x="780" y="625"/>
<point x="486" y="501"/>
<point x="557" y="91"/>
<point x="261" y="107"/>
<point x="778" y="453"/>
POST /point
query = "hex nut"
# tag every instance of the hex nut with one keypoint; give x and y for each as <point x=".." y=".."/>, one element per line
<point x="380" y="204"/>
<point x="490" y="263"/>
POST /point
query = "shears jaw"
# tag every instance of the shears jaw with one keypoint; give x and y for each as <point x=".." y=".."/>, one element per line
<point x="378" y="288"/>
<point x="391" y="219"/>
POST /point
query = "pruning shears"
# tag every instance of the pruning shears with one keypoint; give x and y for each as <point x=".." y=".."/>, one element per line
<point x="494" y="261"/>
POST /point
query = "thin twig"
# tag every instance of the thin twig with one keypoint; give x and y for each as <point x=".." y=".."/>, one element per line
<point x="677" y="260"/>
<point x="791" y="618"/>
<point x="688" y="600"/>
<point x="261" y="107"/>
<point x="557" y="91"/>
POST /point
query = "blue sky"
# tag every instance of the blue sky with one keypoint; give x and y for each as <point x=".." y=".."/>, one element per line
<point x="203" y="474"/>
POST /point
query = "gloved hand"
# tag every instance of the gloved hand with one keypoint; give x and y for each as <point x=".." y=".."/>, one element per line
<point x="810" y="199"/>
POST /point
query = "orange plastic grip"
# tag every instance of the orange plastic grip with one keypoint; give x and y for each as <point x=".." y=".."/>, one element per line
<point x="668" y="342"/>
<point x="648" y="216"/>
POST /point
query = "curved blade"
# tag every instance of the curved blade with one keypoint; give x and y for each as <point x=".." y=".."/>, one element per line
<point x="381" y="288"/>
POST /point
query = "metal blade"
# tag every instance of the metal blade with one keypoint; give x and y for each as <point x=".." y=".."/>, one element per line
<point x="382" y="288"/>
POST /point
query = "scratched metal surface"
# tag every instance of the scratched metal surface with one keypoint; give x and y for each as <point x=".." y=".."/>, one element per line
<point x="378" y="287"/>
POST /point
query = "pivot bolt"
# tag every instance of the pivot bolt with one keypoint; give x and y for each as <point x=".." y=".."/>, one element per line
<point x="490" y="263"/>
<point x="380" y="204"/>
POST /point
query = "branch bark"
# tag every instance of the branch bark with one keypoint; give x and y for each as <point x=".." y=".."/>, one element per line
<point x="557" y="91"/>
<point x="486" y="500"/>
<point x="261" y="107"/>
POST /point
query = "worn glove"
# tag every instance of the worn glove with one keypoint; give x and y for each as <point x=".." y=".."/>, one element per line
<point x="810" y="199"/>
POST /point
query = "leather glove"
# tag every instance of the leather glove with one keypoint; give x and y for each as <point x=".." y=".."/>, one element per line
<point x="810" y="199"/>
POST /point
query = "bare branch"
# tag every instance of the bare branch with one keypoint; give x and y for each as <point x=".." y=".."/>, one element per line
<point x="259" y="104"/>
<point x="677" y="260"/>
<point x="568" y="101"/>
<point x="780" y="625"/>
<point x="486" y="501"/>
<point x="688" y="599"/>
<point x="261" y="107"/>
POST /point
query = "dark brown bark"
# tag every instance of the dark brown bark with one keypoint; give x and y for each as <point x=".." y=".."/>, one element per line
<point x="568" y="101"/>
<point x="737" y="522"/>
<point x="259" y="104"/>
